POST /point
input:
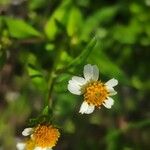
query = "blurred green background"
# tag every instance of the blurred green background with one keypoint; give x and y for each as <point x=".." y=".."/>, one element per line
<point x="40" y="37"/>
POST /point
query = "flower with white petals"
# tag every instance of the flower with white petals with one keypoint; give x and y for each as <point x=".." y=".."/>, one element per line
<point x="96" y="93"/>
<point x="42" y="137"/>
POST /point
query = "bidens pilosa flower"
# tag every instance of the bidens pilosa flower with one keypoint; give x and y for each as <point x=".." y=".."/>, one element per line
<point x="43" y="137"/>
<point x="96" y="93"/>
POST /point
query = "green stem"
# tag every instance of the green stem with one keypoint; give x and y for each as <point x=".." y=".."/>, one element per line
<point x="51" y="81"/>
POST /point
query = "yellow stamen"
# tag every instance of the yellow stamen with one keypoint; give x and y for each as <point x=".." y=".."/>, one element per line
<point x="95" y="93"/>
<point x="45" y="136"/>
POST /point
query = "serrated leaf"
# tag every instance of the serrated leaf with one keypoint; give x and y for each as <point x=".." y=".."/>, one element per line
<point x="20" y="29"/>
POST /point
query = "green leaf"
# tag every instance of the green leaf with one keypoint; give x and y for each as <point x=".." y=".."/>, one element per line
<point x="37" y="77"/>
<point x="103" y="15"/>
<point x="34" y="4"/>
<point x="33" y="71"/>
<point x="78" y="61"/>
<point x="107" y="67"/>
<point x="60" y="14"/>
<point x="20" y="29"/>
<point x="132" y="32"/>
<point x="47" y="111"/>
<point x="74" y="21"/>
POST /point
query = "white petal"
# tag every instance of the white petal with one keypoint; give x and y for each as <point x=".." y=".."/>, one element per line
<point x="90" y="109"/>
<point x="75" y="85"/>
<point x="79" y="80"/>
<point x="111" y="83"/>
<point x="39" y="148"/>
<point x="91" y="72"/>
<point x="86" y="108"/>
<point x="88" y="72"/>
<point x="75" y="89"/>
<point x="27" y="131"/>
<point x="83" y="107"/>
<point x="108" y="102"/>
<point x="111" y="91"/>
<point x="21" y="146"/>
<point x="95" y="73"/>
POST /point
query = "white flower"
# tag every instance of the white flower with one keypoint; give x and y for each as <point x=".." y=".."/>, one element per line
<point x="95" y="92"/>
<point x="42" y="137"/>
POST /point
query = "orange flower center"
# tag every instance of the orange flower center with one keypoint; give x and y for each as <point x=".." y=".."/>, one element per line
<point x="95" y="93"/>
<point x="45" y="136"/>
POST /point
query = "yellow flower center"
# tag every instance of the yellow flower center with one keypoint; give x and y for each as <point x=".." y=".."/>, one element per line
<point x="30" y="144"/>
<point x="95" y="93"/>
<point x="45" y="136"/>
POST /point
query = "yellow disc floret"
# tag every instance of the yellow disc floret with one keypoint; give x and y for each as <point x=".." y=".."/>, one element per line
<point x="95" y="93"/>
<point x="30" y="144"/>
<point x="45" y="136"/>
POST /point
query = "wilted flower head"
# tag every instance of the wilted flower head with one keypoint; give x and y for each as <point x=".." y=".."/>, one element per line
<point x="43" y="137"/>
<point x="96" y="93"/>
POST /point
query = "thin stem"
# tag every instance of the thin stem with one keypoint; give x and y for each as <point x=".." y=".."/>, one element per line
<point x="51" y="81"/>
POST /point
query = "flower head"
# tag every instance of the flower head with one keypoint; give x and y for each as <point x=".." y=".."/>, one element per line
<point x="43" y="137"/>
<point x="96" y="93"/>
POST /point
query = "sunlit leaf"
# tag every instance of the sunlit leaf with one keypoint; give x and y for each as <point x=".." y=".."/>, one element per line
<point x="20" y="29"/>
<point x="74" y="21"/>
<point x="60" y="14"/>
<point x="33" y="71"/>
<point x="37" y="77"/>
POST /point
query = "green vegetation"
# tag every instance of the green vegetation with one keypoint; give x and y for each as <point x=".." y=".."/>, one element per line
<point x="43" y="43"/>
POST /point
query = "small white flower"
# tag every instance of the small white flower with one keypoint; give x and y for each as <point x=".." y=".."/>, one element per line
<point x="42" y="137"/>
<point x="95" y="92"/>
